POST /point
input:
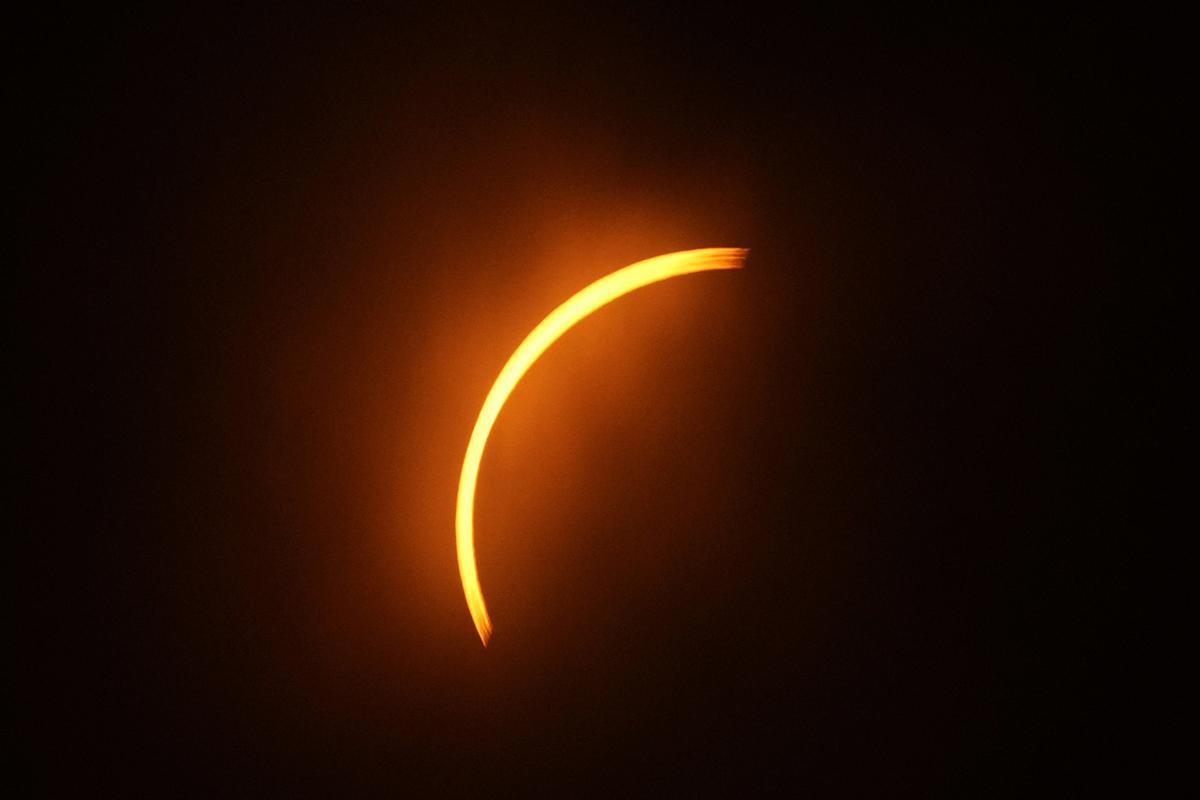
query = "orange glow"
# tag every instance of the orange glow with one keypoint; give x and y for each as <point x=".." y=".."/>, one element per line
<point x="559" y="321"/>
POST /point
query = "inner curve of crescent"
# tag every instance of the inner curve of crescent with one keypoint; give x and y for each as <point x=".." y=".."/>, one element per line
<point x="559" y="321"/>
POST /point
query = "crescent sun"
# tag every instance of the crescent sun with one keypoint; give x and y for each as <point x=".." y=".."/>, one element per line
<point x="559" y="321"/>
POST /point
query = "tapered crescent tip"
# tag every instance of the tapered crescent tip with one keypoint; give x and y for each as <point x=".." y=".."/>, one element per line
<point x="735" y="256"/>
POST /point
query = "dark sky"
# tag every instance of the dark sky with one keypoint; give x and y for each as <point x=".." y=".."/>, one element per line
<point x="820" y="525"/>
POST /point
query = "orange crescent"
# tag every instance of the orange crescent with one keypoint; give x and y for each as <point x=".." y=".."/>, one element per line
<point x="558" y="322"/>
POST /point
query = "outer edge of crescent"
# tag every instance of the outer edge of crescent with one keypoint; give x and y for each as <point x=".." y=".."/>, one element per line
<point x="583" y="303"/>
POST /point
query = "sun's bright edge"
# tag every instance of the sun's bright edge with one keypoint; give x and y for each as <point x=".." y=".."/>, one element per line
<point x="558" y="322"/>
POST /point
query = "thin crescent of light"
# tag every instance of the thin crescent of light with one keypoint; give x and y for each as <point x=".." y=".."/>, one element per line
<point x="558" y="322"/>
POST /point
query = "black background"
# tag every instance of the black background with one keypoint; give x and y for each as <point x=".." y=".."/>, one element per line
<point x="821" y="524"/>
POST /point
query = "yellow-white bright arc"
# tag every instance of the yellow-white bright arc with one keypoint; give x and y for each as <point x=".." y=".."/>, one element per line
<point x="560" y="320"/>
